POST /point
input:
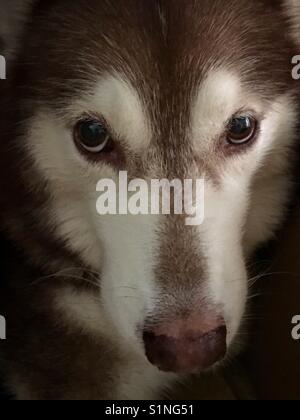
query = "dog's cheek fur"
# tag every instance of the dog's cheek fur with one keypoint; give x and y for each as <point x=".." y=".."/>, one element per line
<point x="271" y="189"/>
<point x="260" y="182"/>
<point x="129" y="290"/>
<point x="70" y="186"/>
<point x="221" y="232"/>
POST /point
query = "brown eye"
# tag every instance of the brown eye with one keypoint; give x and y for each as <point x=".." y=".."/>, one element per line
<point x="92" y="136"/>
<point x="241" y="130"/>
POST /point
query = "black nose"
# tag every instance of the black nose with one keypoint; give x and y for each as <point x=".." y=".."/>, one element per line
<point x="185" y="351"/>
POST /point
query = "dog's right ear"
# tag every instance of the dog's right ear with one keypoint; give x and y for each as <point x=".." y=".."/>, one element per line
<point x="12" y="20"/>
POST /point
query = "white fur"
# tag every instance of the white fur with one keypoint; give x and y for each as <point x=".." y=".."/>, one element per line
<point x="217" y="100"/>
<point x="81" y="308"/>
<point x="122" y="109"/>
<point x="270" y="186"/>
<point x="128" y="288"/>
<point x="220" y="96"/>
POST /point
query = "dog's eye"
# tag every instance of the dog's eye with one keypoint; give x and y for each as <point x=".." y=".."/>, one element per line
<point x="92" y="136"/>
<point x="241" y="130"/>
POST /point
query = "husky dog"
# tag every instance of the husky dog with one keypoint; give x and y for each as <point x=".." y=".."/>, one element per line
<point x="120" y="307"/>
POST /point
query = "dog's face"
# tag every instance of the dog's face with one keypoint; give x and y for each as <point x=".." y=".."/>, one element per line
<point x="163" y="89"/>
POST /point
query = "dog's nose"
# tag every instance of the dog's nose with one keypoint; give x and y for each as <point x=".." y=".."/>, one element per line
<point x="186" y="346"/>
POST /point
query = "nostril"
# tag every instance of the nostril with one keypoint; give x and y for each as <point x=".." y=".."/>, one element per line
<point x="186" y="353"/>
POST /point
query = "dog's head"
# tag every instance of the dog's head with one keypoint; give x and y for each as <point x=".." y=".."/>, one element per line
<point x="165" y="89"/>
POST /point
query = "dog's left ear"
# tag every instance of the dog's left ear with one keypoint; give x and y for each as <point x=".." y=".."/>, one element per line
<point x="292" y="8"/>
<point x="12" y="20"/>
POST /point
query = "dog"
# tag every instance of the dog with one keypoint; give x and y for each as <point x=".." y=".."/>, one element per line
<point x="123" y="306"/>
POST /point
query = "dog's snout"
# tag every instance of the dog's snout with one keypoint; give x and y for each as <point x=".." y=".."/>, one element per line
<point x="186" y="346"/>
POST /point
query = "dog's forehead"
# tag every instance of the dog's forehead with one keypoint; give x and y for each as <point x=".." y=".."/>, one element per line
<point x="165" y="48"/>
